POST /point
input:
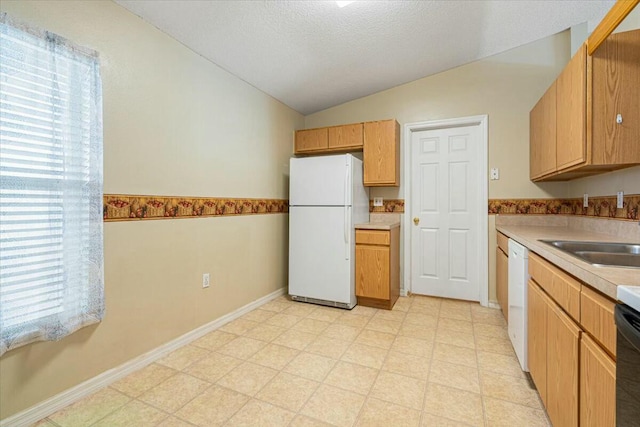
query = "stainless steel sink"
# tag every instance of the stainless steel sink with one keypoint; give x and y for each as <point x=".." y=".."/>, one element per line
<point x="601" y="254"/>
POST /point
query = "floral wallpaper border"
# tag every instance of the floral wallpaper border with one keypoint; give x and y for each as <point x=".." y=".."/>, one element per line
<point x="602" y="207"/>
<point x="120" y="207"/>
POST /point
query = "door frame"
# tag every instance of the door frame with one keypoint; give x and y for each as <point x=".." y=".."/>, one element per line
<point x="483" y="217"/>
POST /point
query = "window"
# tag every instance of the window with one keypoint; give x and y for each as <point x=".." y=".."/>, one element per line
<point x="51" y="256"/>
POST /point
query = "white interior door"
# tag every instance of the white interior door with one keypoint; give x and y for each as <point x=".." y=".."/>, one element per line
<point x="446" y="210"/>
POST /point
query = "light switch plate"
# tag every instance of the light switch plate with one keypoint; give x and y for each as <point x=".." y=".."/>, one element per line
<point x="585" y="201"/>
<point x="377" y="201"/>
<point x="495" y="174"/>
<point x="620" y="200"/>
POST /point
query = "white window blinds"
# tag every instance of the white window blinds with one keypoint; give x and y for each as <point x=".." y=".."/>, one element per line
<point x="51" y="266"/>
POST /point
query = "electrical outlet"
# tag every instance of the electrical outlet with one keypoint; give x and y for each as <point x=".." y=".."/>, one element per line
<point x="205" y="280"/>
<point x="585" y="201"/>
<point x="620" y="200"/>
<point x="377" y="201"/>
<point x="495" y="174"/>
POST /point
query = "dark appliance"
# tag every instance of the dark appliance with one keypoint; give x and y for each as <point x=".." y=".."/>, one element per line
<point x="627" y="366"/>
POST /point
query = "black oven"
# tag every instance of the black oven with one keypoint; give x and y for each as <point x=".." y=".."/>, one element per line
<point x="628" y="366"/>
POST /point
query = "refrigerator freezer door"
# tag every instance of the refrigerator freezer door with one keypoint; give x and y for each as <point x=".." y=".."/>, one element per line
<point x="320" y="181"/>
<point x="320" y="261"/>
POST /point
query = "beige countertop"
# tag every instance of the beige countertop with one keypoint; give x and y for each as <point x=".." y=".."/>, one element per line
<point x="378" y="225"/>
<point x="604" y="279"/>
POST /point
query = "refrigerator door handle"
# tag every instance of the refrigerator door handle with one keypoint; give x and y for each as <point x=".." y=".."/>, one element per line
<point x="347" y="246"/>
<point x="346" y="190"/>
<point x="347" y="185"/>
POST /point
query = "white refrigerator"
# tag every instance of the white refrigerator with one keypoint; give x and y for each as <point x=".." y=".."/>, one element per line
<point x="326" y="198"/>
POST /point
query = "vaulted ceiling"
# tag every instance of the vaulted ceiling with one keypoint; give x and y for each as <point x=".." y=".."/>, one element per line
<point x="312" y="55"/>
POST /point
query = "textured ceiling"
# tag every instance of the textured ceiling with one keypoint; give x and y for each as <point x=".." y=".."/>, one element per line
<point x="312" y="55"/>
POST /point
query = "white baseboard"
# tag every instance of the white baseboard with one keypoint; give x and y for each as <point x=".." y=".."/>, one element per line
<point x="493" y="304"/>
<point x="403" y="292"/>
<point x="67" y="397"/>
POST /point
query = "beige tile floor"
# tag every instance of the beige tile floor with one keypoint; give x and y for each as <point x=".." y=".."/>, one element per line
<point x="428" y="362"/>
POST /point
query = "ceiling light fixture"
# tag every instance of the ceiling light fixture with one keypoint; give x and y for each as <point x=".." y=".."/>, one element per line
<point x="344" y="3"/>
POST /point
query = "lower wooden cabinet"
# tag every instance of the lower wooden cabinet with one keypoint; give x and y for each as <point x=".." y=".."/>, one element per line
<point x="537" y="303"/>
<point x="574" y="374"/>
<point x="596" y="317"/>
<point x="553" y="349"/>
<point x="563" y="349"/>
<point x="560" y="286"/>
<point x="502" y="281"/>
<point x="597" y="385"/>
<point x="378" y="267"/>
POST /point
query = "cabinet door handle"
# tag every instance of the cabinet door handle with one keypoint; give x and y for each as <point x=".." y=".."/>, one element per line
<point x="416" y="220"/>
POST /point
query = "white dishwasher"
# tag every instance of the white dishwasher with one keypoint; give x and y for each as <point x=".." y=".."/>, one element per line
<point x="518" y="278"/>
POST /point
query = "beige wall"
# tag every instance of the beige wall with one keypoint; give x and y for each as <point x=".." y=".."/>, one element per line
<point x="626" y="180"/>
<point x="174" y="124"/>
<point x="505" y="86"/>
<point x="631" y="22"/>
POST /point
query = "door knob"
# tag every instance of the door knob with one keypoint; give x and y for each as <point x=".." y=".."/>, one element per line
<point x="416" y="220"/>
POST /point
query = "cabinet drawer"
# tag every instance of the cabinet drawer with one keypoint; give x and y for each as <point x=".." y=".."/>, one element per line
<point x="596" y="317"/>
<point x="564" y="289"/>
<point x="503" y="243"/>
<point x="373" y="237"/>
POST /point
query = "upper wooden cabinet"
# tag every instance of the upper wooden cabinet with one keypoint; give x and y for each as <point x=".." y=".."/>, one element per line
<point x="379" y="140"/>
<point x="346" y="137"/>
<point x="616" y="91"/>
<point x="310" y="140"/>
<point x="542" y="130"/>
<point x="327" y="140"/>
<point x="596" y="125"/>
<point x="382" y="153"/>
<point x="571" y="112"/>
